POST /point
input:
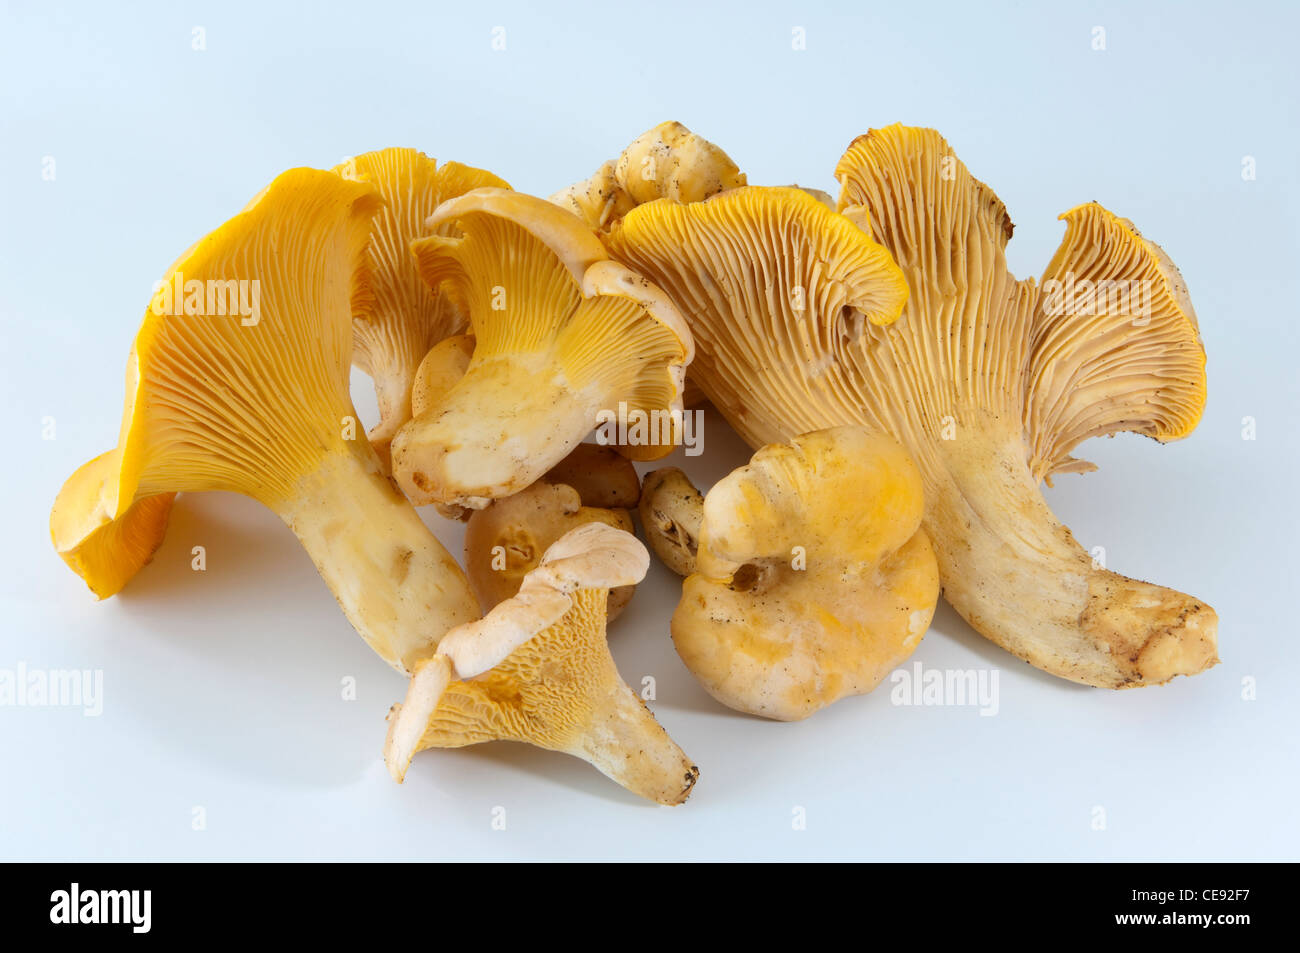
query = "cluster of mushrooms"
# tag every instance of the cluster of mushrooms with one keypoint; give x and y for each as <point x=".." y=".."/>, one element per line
<point x="905" y="393"/>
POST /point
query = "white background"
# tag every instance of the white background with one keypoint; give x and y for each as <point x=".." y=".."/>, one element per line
<point x="222" y="689"/>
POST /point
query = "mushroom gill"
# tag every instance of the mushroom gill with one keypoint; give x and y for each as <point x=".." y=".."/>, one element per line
<point x="400" y="318"/>
<point x="262" y="408"/>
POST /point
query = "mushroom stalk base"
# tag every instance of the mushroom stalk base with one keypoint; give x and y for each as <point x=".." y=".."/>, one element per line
<point x="1018" y="576"/>
<point x="397" y="585"/>
<point x="628" y="745"/>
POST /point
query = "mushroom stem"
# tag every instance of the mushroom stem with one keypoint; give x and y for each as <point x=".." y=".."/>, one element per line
<point x="397" y="586"/>
<point x="614" y="740"/>
<point x="1050" y="603"/>
<point x="523" y="423"/>
<point x="393" y="397"/>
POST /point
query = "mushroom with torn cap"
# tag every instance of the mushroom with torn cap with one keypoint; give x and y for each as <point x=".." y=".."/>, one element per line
<point x="563" y="336"/>
<point x="537" y="669"/>
<point x="506" y="540"/>
<point x="265" y="411"/>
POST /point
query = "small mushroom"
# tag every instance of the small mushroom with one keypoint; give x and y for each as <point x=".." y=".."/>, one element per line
<point x="813" y="578"/>
<point x="506" y="540"/>
<point x="671" y="511"/>
<point x="669" y="161"/>
<point x="602" y="476"/>
<point x="537" y="669"/>
<point x="398" y="318"/>
<point x="563" y="336"/>
<point x="261" y="407"/>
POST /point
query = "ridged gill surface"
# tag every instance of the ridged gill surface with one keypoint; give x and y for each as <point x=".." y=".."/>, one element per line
<point x="217" y="405"/>
<point x="401" y="317"/>
<point x="523" y="300"/>
<point x="780" y="294"/>
<point x="1115" y="343"/>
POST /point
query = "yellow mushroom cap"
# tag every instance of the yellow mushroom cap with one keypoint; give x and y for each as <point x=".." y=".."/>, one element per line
<point x="258" y="403"/>
<point x="813" y="578"/>
<point x="537" y="669"/>
<point x="104" y="548"/>
<point x="602" y="476"/>
<point x="671" y="162"/>
<point x="672" y="511"/>
<point x="227" y="401"/>
<point x="400" y="317"/>
<point x="563" y="337"/>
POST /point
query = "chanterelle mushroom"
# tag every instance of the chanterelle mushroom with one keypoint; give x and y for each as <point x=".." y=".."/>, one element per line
<point x="563" y="335"/>
<point x="671" y="511"/>
<point x="537" y="669"/>
<point x="1115" y="344"/>
<point x="813" y="579"/>
<point x="506" y="540"/>
<point x="400" y="318"/>
<point x="263" y="409"/>
<point x="602" y="476"/>
<point x="669" y="161"/>
<point x="982" y="386"/>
